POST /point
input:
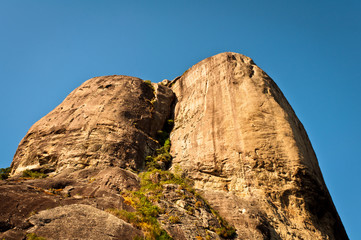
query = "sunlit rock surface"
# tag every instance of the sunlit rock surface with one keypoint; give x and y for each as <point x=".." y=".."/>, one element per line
<point x="107" y="121"/>
<point x="235" y="137"/>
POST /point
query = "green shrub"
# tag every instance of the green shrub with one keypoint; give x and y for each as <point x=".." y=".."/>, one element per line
<point x="162" y="136"/>
<point x="165" y="177"/>
<point x="226" y="232"/>
<point x="151" y="164"/>
<point x="144" y="217"/>
<point x="164" y="235"/>
<point x="190" y="210"/>
<point x="167" y="144"/>
<point x="174" y="219"/>
<point x="33" y="174"/>
<point x="130" y="217"/>
<point x="146" y="212"/>
<point x="161" y="154"/>
<point x="4" y="173"/>
<point x="33" y="236"/>
<point x="151" y="185"/>
<point x="149" y="83"/>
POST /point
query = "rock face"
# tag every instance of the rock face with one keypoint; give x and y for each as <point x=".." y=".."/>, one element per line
<point x="24" y="202"/>
<point x="109" y="121"/>
<point x="235" y="138"/>
<point x="80" y="221"/>
<point x="236" y="135"/>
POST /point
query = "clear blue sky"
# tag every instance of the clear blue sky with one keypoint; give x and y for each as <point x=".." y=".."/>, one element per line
<point x="312" y="49"/>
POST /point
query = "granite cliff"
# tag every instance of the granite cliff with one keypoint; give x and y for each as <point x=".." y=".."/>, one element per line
<point x="217" y="153"/>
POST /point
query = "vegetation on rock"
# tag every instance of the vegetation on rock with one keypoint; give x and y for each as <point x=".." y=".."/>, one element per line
<point x="33" y="236"/>
<point x="34" y="174"/>
<point x="4" y="173"/>
<point x="144" y="217"/>
<point x="149" y="83"/>
<point x="174" y="219"/>
<point x="146" y="200"/>
<point x="161" y="158"/>
<point x="154" y="98"/>
<point x="146" y="212"/>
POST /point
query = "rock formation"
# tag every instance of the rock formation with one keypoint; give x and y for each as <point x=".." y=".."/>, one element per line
<point x="237" y="136"/>
<point x="71" y="218"/>
<point x="107" y="121"/>
<point x="240" y="156"/>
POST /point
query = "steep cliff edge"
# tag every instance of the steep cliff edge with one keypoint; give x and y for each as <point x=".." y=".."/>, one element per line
<point x="240" y="156"/>
<point x="238" y="138"/>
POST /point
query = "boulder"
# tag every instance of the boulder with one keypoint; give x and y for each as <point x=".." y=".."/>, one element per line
<point x="79" y="221"/>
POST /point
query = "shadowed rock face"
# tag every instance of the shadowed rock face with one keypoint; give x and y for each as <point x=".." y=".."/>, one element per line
<point x="107" y="121"/>
<point x="235" y="136"/>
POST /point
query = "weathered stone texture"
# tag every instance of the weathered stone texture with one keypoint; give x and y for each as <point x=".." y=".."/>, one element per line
<point x="79" y="221"/>
<point x="236" y="135"/>
<point x="195" y="217"/>
<point x="99" y="188"/>
<point x="107" y="121"/>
